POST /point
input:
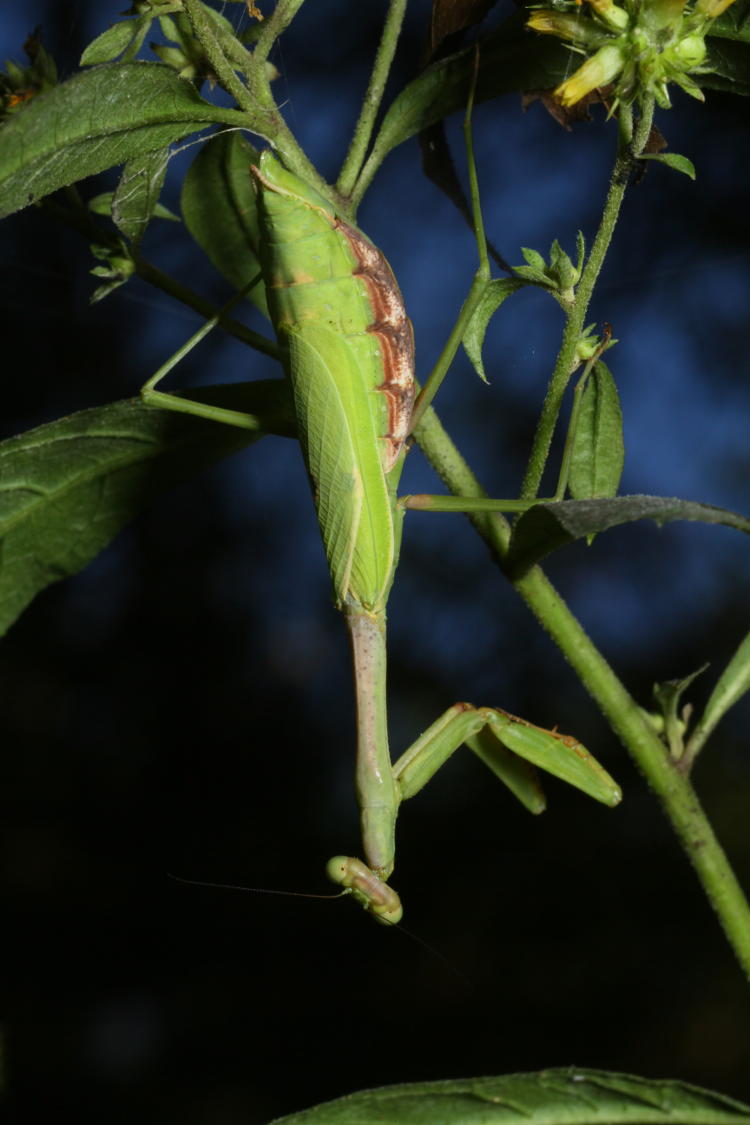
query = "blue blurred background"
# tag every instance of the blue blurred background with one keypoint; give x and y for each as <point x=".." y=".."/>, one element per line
<point x="184" y="705"/>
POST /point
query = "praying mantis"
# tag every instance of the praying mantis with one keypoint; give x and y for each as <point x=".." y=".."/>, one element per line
<point x="348" y="353"/>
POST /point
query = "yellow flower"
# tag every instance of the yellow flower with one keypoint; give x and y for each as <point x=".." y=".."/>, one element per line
<point x="601" y="69"/>
<point x="638" y="46"/>
<point x="712" y="8"/>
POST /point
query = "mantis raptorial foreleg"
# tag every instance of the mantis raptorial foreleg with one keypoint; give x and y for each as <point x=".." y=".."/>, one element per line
<point x="510" y="747"/>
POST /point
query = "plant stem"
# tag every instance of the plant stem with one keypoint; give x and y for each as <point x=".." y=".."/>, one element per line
<point x="669" y="782"/>
<point x="205" y="32"/>
<point x="256" y="101"/>
<point x="481" y="277"/>
<point x="452" y="344"/>
<point x="566" y="358"/>
<point x="667" y="779"/>
<point x="425" y="502"/>
<point x="373" y="97"/>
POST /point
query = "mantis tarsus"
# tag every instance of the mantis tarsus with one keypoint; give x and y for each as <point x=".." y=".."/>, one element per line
<point x="348" y="346"/>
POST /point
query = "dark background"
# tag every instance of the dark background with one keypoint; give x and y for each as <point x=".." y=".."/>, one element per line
<point x="184" y="704"/>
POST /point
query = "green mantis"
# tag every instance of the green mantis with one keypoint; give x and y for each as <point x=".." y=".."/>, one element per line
<point x="349" y="355"/>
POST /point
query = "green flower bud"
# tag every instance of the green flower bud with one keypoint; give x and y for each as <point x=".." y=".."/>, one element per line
<point x="615" y="18"/>
<point x="690" y="51"/>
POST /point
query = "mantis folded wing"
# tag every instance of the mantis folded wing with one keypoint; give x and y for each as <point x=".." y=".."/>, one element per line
<point x="349" y="355"/>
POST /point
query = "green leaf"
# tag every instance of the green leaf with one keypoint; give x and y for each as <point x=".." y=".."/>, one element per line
<point x="137" y="194"/>
<point x="732" y="684"/>
<point x="730" y="67"/>
<point x="545" y="527"/>
<point x="534" y="259"/>
<point x="598" y="451"/>
<point x="492" y="298"/>
<point x="220" y="210"/>
<point x="98" y="119"/>
<point x="675" y="719"/>
<point x="734" y="23"/>
<point x="111" y="42"/>
<point x="510" y="59"/>
<point x="564" y="1096"/>
<point x="672" y="160"/>
<point x="68" y="487"/>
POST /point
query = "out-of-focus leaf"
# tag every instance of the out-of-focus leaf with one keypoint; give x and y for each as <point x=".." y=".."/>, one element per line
<point x="96" y="120"/>
<point x="68" y="487"/>
<point x="734" y="23"/>
<point x="438" y="166"/>
<point x="452" y="16"/>
<point x="564" y="1096"/>
<point x="545" y="527"/>
<point x="598" y="450"/>
<point x="509" y="59"/>
<point x="220" y="210"/>
<point x="730" y="66"/>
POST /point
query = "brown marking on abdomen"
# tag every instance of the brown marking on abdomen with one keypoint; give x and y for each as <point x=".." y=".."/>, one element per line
<point x="395" y="335"/>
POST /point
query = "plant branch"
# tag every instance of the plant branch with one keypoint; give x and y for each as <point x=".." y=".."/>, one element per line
<point x="481" y="277"/>
<point x="256" y="100"/>
<point x="666" y="778"/>
<point x="373" y="97"/>
<point x="205" y="33"/>
<point x="566" y="359"/>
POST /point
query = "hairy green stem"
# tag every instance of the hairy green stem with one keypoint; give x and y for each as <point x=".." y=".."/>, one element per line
<point x="206" y="33"/>
<point x="452" y="344"/>
<point x="668" y="780"/>
<point x="373" y="97"/>
<point x="566" y="359"/>
<point x="256" y="101"/>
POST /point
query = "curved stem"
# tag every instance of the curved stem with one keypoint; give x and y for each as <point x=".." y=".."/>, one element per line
<point x="371" y="104"/>
<point x="667" y="779"/>
<point x="566" y="358"/>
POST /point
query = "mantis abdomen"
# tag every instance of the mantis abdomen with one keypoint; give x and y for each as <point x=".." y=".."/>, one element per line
<point x="339" y="314"/>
